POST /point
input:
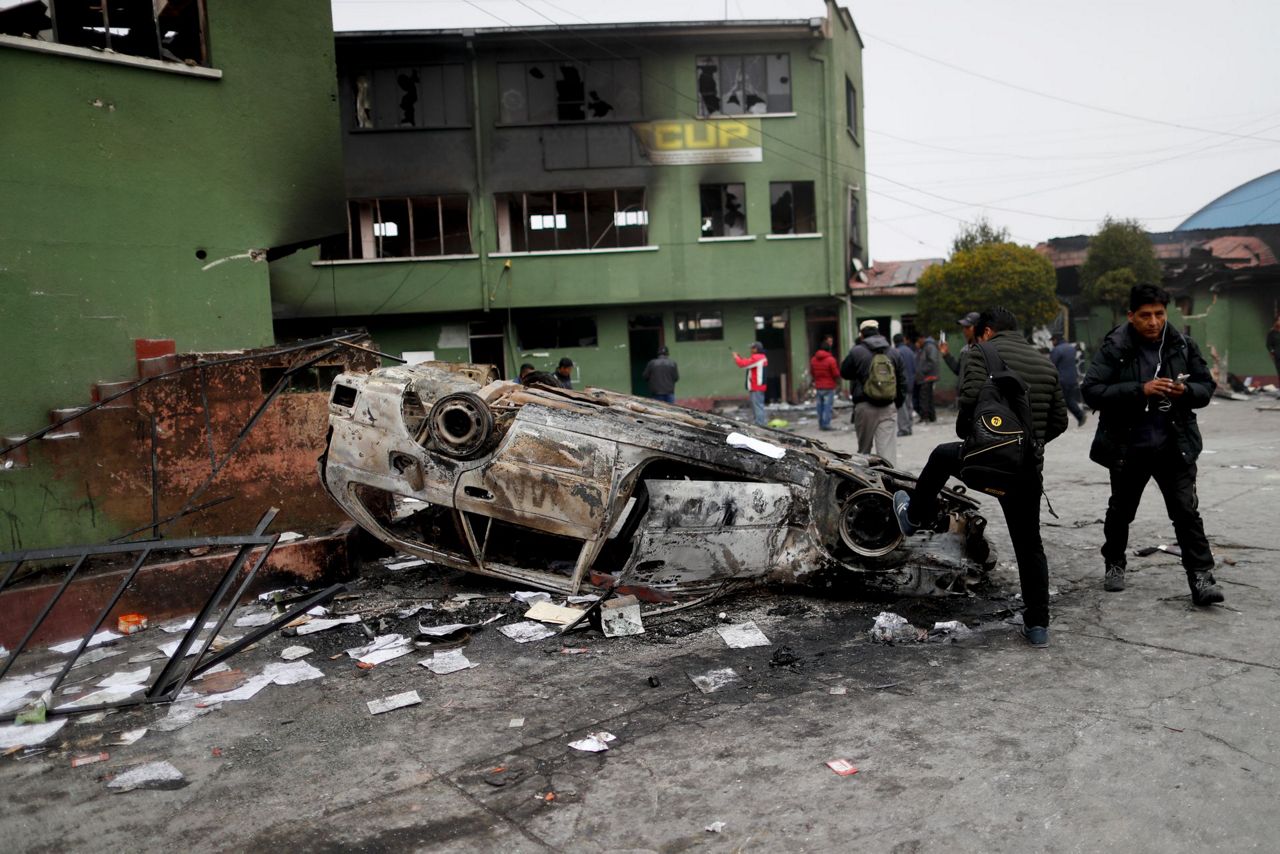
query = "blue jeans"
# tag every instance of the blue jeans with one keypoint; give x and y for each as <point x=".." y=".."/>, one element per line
<point x="757" y="408"/>
<point x="665" y="398"/>
<point x="826" y="402"/>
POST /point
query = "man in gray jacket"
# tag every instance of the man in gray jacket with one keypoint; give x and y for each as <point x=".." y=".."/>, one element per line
<point x="1022" y="509"/>
<point x="927" y="363"/>
<point x="878" y="385"/>
<point x="662" y="374"/>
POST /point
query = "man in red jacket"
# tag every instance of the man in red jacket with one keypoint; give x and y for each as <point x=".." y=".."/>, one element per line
<point x="826" y="379"/>
<point x="755" y="365"/>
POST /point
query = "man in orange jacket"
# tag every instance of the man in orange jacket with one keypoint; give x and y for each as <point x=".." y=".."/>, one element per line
<point x="826" y="379"/>
<point x="755" y="365"/>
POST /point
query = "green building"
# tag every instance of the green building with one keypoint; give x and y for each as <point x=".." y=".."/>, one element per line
<point x="139" y="149"/>
<point x="595" y="192"/>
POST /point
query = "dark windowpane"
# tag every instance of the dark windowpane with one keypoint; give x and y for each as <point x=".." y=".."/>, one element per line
<point x="456" y="215"/>
<point x="540" y="332"/>
<point x="392" y="228"/>
<point x="431" y="97"/>
<point x="571" y="221"/>
<point x="779" y="84"/>
<point x="453" y="87"/>
<point x="699" y="326"/>
<point x="724" y="210"/>
<point x="600" y="215"/>
<point x="408" y="86"/>
<point x="632" y="218"/>
<point x="791" y="207"/>
<point x="426" y="227"/>
<point x="513" y="99"/>
<point x="708" y="68"/>
<point x="541" y="221"/>
<point x="540" y="84"/>
<point x="851" y="106"/>
<point x="744" y="85"/>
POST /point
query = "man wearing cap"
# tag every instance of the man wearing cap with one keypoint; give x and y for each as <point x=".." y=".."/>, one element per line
<point x="755" y="365"/>
<point x="662" y="374"/>
<point x="878" y="385"/>
<point x="564" y="372"/>
<point x="966" y="326"/>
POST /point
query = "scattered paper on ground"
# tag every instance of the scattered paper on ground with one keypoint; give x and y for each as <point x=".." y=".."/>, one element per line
<point x="249" y="621"/>
<point x="151" y="775"/>
<point x="126" y="677"/>
<point x="94" y="655"/>
<point x="890" y="627"/>
<point x="14" y="690"/>
<point x="559" y="615"/>
<point x="382" y="648"/>
<point x="526" y="631"/>
<point x="715" y="827"/>
<point x="106" y="695"/>
<point x="329" y="623"/>
<point x="528" y="597"/>
<point x="278" y="673"/>
<point x="515" y="723"/>
<point x="292" y="653"/>
<point x="714" y="680"/>
<point x="174" y="628"/>
<point x="742" y="635"/>
<point x="180" y="714"/>
<point x="129" y="736"/>
<point x="400" y="566"/>
<point x="594" y="743"/>
<point x="843" y="767"/>
<point x="738" y="440"/>
<point x="395" y="701"/>
<point x="29" y="735"/>
<point x="448" y="661"/>
<point x="100" y="638"/>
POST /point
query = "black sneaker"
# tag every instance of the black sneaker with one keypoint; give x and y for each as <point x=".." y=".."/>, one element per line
<point x="1114" y="580"/>
<point x="1203" y="589"/>
<point x="1037" y="636"/>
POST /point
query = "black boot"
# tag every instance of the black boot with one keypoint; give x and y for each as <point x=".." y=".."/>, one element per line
<point x="1203" y="589"/>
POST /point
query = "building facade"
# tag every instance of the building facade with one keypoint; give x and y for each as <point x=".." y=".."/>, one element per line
<point x="596" y="192"/>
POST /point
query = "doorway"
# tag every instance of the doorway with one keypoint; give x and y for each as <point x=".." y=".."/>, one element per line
<point x="773" y="333"/>
<point x="819" y="322"/>
<point x="488" y="345"/>
<point x="644" y="337"/>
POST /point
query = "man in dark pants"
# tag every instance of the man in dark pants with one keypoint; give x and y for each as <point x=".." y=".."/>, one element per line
<point x="1273" y="344"/>
<point x="926" y="376"/>
<point x="1021" y="510"/>
<point x="1145" y="382"/>
<point x="662" y="374"/>
<point x="1063" y="356"/>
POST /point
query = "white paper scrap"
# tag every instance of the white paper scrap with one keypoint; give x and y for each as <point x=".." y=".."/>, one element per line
<point x="98" y="639"/>
<point x="181" y="714"/>
<point x="441" y="631"/>
<point x="249" y="621"/>
<point x="182" y="626"/>
<point x="715" y="827"/>
<point x="714" y="680"/>
<point x="738" y="440"/>
<point x="29" y="735"/>
<point x="92" y="656"/>
<point x="126" y="677"/>
<point x="14" y="690"/>
<point x="151" y="775"/>
<point x="289" y="673"/>
<point x="515" y="723"/>
<point x="447" y="661"/>
<point x="107" y="695"/>
<point x="289" y="537"/>
<point x="129" y="736"/>
<point x="395" y="701"/>
<point x="742" y="635"/>
<point x="382" y="648"/>
<point x="556" y="614"/>
<point x="400" y="566"/>
<point x="293" y="653"/>
<point x="527" y="631"/>
<point x="528" y="597"/>
<point x="322" y="625"/>
<point x="594" y="743"/>
<point x="318" y="611"/>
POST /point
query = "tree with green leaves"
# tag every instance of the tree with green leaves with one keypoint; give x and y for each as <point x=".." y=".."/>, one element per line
<point x="993" y="274"/>
<point x="1120" y="256"/>
<point x="980" y="232"/>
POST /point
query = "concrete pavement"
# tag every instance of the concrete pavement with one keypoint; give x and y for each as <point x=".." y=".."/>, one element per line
<point x="1148" y="725"/>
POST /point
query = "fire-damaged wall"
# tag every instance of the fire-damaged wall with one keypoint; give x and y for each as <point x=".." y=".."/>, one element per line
<point x="148" y="455"/>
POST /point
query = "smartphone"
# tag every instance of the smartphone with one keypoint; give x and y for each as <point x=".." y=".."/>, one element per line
<point x="1182" y="378"/>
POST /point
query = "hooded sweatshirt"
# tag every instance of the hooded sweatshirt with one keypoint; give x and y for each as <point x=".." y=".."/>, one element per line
<point x="825" y="370"/>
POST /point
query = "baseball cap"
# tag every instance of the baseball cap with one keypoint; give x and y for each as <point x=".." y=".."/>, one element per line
<point x="868" y="324"/>
<point x="758" y="346"/>
<point x="969" y="319"/>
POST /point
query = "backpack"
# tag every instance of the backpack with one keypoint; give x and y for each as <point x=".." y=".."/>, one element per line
<point x="1000" y="454"/>
<point x="881" y="384"/>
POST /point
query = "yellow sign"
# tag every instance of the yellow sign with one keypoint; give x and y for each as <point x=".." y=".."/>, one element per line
<point x="684" y="142"/>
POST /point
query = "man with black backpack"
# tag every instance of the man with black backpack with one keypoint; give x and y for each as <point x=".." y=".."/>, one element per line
<point x="1011" y="406"/>
<point x="878" y="385"/>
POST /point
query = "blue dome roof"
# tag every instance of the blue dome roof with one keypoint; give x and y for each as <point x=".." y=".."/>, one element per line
<point x="1255" y="202"/>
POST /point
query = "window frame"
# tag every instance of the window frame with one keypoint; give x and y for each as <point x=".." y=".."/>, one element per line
<point x="356" y="235"/>
<point x="113" y="47"/>
<point x="696" y="333"/>
<point x="851" y="109"/>
<point x="373" y="92"/>
<point x="704" y="221"/>
<point x="505" y="203"/>
<point x="722" y="96"/>
<point x="795" y="218"/>
<point x="617" y="114"/>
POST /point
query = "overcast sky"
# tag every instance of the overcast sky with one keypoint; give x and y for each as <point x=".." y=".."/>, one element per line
<point x="1175" y="102"/>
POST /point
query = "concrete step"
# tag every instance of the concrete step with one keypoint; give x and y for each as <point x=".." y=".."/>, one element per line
<point x="103" y="390"/>
<point x="156" y="365"/>
<point x="17" y="458"/>
<point x="57" y="415"/>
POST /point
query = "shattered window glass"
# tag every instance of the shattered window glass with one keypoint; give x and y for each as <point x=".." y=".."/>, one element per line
<point x="699" y="326"/>
<point x="421" y="96"/>
<point x="724" y="210"/>
<point x="791" y="208"/>
<point x="172" y="30"/>
<point x="855" y="234"/>
<point x="739" y="85"/>
<point x="540" y="332"/>
<point x="419" y="227"/>
<point x="550" y="92"/>
<point x="573" y="219"/>
<point x="851" y="106"/>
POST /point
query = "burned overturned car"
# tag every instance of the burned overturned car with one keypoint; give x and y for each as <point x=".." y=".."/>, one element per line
<point x="570" y="491"/>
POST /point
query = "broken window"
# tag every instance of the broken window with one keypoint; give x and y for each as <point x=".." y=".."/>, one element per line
<point x="851" y="106"/>
<point x="699" y="326"/>
<point x="171" y="30"/>
<point x="750" y="84"/>
<point x="539" y="332"/>
<point x="547" y="92"/>
<point x="571" y="219"/>
<point x="419" y="227"/>
<point x="855" y="236"/>
<point x="791" y="208"/>
<point x="418" y="96"/>
<point x="724" y="210"/>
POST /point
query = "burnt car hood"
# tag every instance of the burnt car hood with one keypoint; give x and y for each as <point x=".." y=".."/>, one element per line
<point x="564" y="490"/>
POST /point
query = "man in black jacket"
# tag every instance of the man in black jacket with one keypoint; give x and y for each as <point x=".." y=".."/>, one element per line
<point x="999" y="327"/>
<point x="876" y="397"/>
<point x="1145" y="382"/>
<point x="662" y="374"/>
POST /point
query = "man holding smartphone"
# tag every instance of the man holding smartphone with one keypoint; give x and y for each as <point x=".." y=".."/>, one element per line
<point x="1146" y="382"/>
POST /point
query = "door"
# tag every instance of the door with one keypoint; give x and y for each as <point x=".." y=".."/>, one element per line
<point x="644" y="337"/>
<point x="772" y="332"/>
<point x="488" y="345"/>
